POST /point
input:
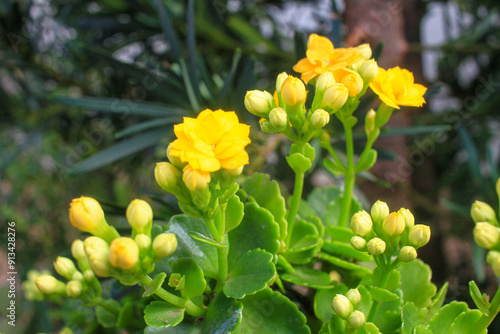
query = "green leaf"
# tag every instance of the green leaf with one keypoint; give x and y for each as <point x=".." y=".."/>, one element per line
<point x="371" y="328"/>
<point x="422" y="329"/>
<point x="441" y="321"/>
<point x="155" y="285"/>
<point x="393" y="281"/>
<point x="234" y="213"/>
<point x="271" y="312"/>
<point x="343" y="249"/>
<point x="381" y="295"/>
<point x="120" y="150"/>
<point x="105" y="318"/>
<point x="304" y="243"/>
<point x="206" y="240"/>
<point x="367" y="161"/>
<point x="183" y="328"/>
<point x="253" y="271"/>
<point x="366" y="299"/>
<point x="388" y="318"/>
<point x="268" y="195"/>
<point x="477" y="297"/>
<point x="193" y="100"/>
<point x="163" y="315"/>
<point x="466" y="322"/>
<point x="257" y="230"/>
<point x="168" y="29"/>
<point x="223" y="315"/>
<point x="437" y="301"/>
<point x="344" y="264"/>
<point x="205" y="255"/>
<point x="126" y="315"/>
<point x="155" y="123"/>
<point x="299" y="163"/>
<point x="195" y="283"/>
<point x="229" y="77"/>
<point x="333" y="209"/>
<point x="308" y="277"/>
<point x="416" y="283"/>
<point x="336" y="325"/>
<point x="319" y="199"/>
<point x="323" y="301"/>
<point x="339" y="233"/>
<point x="412" y="317"/>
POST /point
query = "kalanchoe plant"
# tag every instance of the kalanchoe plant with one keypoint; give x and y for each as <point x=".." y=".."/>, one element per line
<point x="234" y="261"/>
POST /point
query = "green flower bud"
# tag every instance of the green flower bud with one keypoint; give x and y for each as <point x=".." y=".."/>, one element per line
<point x="174" y="160"/>
<point x="370" y="126"/>
<point x="324" y="81"/>
<point x="278" y="119"/>
<point x="408" y="216"/>
<point x="167" y="176"/>
<point x="357" y="319"/>
<point x="361" y="223"/>
<point x="394" y="224"/>
<point x="376" y="246"/>
<point x="48" y="285"/>
<point x="77" y="276"/>
<point x="498" y="187"/>
<point x="165" y="244"/>
<point x="491" y="257"/>
<point x="335" y="276"/>
<point x="486" y="235"/>
<point x="143" y="242"/>
<point x="407" y="254"/>
<point x="368" y="70"/>
<point x="320" y="118"/>
<point x="98" y="254"/>
<point x="379" y="211"/>
<point x="482" y="212"/>
<point x="280" y="79"/>
<point x="358" y="243"/>
<point x="354" y="297"/>
<point x="365" y="50"/>
<point x="88" y="275"/>
<point x="259" y="102"/>
<point x="419" y="235"/>
<point x="78" y="250"/>
<point x="342" y="306"/>
<point x="64" y="267"/>
<point x="335" y="97"/>
<point x="140" y="216"/>
<point x="74" y="289"/>
<point x="266" y="126"/>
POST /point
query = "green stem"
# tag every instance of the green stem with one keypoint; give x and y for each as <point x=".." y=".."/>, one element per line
<point x="483" y="322"/>
<point x="294" y="206"/>
<point x="375" y="305"/>
<point x="350" y="177"/>
<point x="285" y="264"/>
<point x="190" y="307"/>
<point x="332" y="153"/>
<point x="223" y="267"/>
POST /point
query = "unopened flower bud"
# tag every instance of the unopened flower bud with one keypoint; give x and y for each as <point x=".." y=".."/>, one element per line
<point x="98" y="254"/>
<point x="495" y="265"/>
<point x="376" y="246"/>
<point x="320" y="118"/>
<point x="259" y="102"/>
<point x="357" y="319"/>
<point x="365" y="50"/>
<point x="361" y="223"/>
<point x="143" y="242"/>
<point x="165" y="244"/>
<point x="335" y="97"/>
<point x="335" y="276"/>
<point x="293" y="91"/>
<point x="86" y="214"/>
<point x="174" y="160"/>
<point x="74" y="289"/>
<point x="234" y="172"/>
<point x="140" y="216"/>
<point x="370" y="121"/>
<point x="167" y="176"/>
<point x="407" y="254"/>
<point x="64" y="267"/>
<point x="77" y="276"/>
<point x="486" y="235"/>
<point x="369" y="70"/>
<point x="78" y="250"/>
<point x="48" y="284"/>
<point x="266" y="126"/>
<point x="419" y="235"/>
<point x="394" y="224"/>
<point x="358" y="243"/>
<point x="379" y="211"/>
<point x="342" y="306"/>
<point x="408" y="216"/>
<point x="482" y="212"/>
<point x="278" y="118"/>
<point x="195" y="179"/>
<point x="88" y="275"/>
<point x="280" y="79"/>
<point x="324" y="81"/>
<point x="123" y="253"/>
<point x="350" y="79"/>
<point x="354" y="296"/>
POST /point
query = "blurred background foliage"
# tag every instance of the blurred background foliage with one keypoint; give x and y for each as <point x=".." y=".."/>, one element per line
<point x="90" y="92"/>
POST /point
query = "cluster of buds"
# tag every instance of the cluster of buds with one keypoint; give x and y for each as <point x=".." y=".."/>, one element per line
<point x="31" y="291"/>
<point x="381" y="232"/>
<point x="345" y="307"/>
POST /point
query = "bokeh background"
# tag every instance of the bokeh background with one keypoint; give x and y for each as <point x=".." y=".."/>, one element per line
<point x="90" y="90"/>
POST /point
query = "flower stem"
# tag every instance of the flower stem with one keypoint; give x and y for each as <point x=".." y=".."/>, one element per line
<point x="294" y="206"/>
<point x="220" y="224"/>
<point x="383" y="281"/>
<point x="483" y="322"/>
<point x="350" y="177"/>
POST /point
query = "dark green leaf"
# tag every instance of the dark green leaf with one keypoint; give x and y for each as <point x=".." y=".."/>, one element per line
<point x="308" y="277"/>
<point x="229" y="77"/>
<point x="168" y="29"/>
<point x="163" y="315"/>
<point x="195" y="283"/>
<point x="223" y="315"/>
<point x="234" y="213"/>
<point x="155" y="123"/>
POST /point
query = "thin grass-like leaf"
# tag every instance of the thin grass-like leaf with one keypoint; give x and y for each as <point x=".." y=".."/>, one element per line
<point x="168" y="30"/>
<point x="229" y="77"/>
<point x="154" y="123"/>
<point x="189" y="87"/>
<point x="191" y="47"/>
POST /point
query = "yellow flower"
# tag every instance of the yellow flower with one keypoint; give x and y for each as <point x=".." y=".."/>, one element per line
<point x="212" y="141"/>
<point x="349" y="78"/>
<point x="293" y="91"/>
<point x="396" y="87"/>
<point x="195" y="179"/>
<point x="321" y="57"/>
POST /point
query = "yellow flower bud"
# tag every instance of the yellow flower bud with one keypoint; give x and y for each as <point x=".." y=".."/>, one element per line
<point x="78" y="250"/>
<point x="74" y="289"/>
<point x="266" y="126"/>
<point x="335" y="276"/>
<point x="354" y="296"/>
<point x="482" y="212"/>
<point x="357" y="319"/>
<point x="278" y="118"/>
<point x="320" y="118"/>
<point x="370" y="121"/>
<point x="65" y="267"/>
<point x="335" y="97"/>
<point x="280" y="80"/>
<point x="195" y="179"/>
<point x="174" y="160"/>
<point x="358" y="243"/>
<point x="408" y="216"/>
<point x="88" y="275"/>
<point x="365" y="50"/>
<point x="394" y="224"/>
<point x="349" y="78"/>
<point x="293" y="91"/>
<point x="86" y="214"/>
<point x="165" y="244"/>
<point x="368" y="70"/>
<point x="419" y="235"/>
<point x="98" y="254"/>
<point x="379" y="211"/>
<point x="259" y="102"/>
<point x="361" y="223"/>
<point x="123" y="253"/>
<point x="325" y="80"/>
<point x="407" y="254"/>
<point x="77" y="276"/>
<point x="486" y="235"/>
<point x="234" y="172"/>
<point x="342" y="306"/>
<point x="48" y="284"/>
<point x="376" y="246"/>
<point x="143" y="242"/>
<point x="140" y="216"/>
<point x="167" y="176"/>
